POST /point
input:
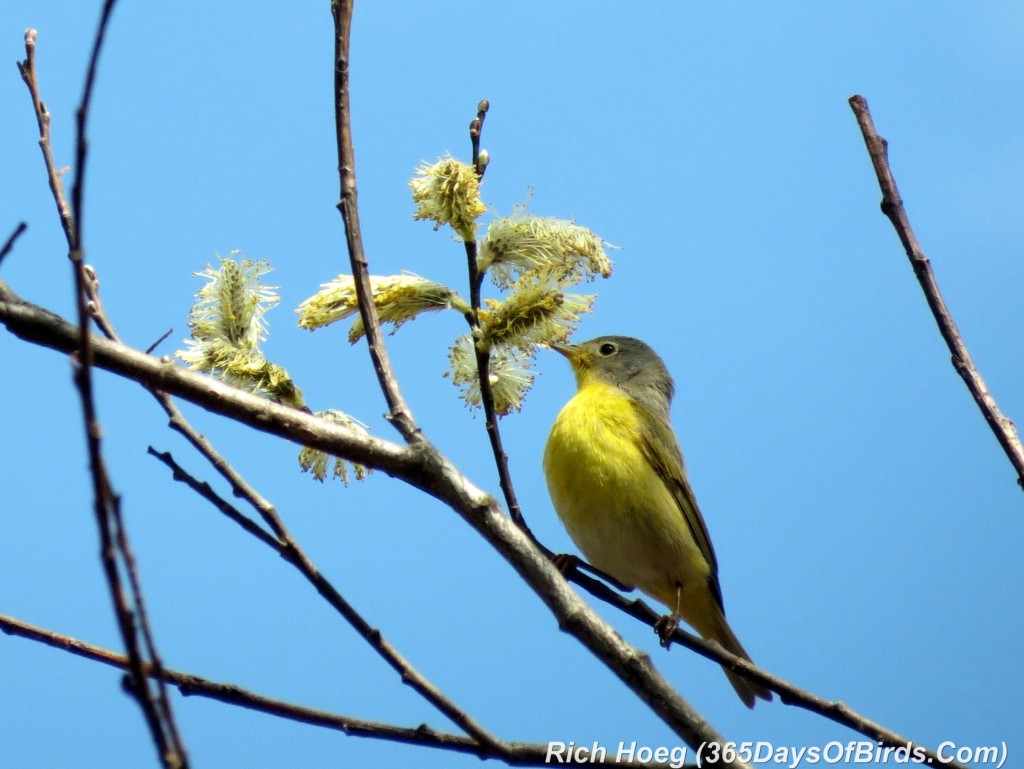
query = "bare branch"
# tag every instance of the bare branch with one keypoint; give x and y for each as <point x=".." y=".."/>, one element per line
<point x="159" y="341"/>
<point x="834" y="710"/>
<point x="40" y="326"/>
<point x="203" y="489"/>
<point x="518" y="754"/>
<point x="892" y="207"/>
<point x="285" y="545"/>
<point x="8" y="245"/>
<point x="483" y="358"/>
<point x="115" y="552"/>
<point x="29" y="74"/>
<point x="420" y="465"/>
<point x="399" y="412"/>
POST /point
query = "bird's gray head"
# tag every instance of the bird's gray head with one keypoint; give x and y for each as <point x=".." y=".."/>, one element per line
<point x="625" y="362"/>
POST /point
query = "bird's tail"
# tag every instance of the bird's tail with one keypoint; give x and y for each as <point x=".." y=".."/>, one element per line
<point x="749" y="691"/>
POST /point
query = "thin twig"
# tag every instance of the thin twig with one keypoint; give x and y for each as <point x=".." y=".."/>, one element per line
<point x="8" y="245"/>
<point x="483" y="363"/>
<point x="476" y="128"/>
<point x="892" y="207"/>
<point x="520" y="753"/>
<point x="29" y="74"/>
<point x="159" y="341"/>
<point x="133" y="618"/>
<point x="115" y="552"/>
<point x="483" y="357"/>
<point x="285" y="545"/>
<point x="834" y="710"/>
<point x="203" y="489"/>
<point x="398" y="411"/>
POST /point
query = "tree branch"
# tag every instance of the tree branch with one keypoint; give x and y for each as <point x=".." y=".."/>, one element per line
<point x="789" y="694"/>
<point x="418" y="464"/>
<point x="399" y="413"/>
<point x="8" y="245"/>
<point x="285" y="545"/>
<point x="518" y="753"/>
<point x="35" y="324"/>
<point x="27" y="69"/>
<point x="483" y="357"/>
<point x="115" y="551"/>
<point x="892" y="207"/>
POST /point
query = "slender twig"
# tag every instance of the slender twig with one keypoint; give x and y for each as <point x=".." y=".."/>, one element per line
<point x="285" y="545"/>
<point x="159" y="341"/>
<point x="834" y="710"/>
<point x="203" y="489"/>
<point x="399" y="412"/>
<point x="8" y="245"/>
<point x="892" y="207"/>
<point x="476" y="127"/>
<point x="133" y="618"/>
<point x="483" y="363"/>
<point x="28" y="72"/>
<point x="483" y="357"/>
<point x="519" y="754"/>
<point x="115" y="551"/>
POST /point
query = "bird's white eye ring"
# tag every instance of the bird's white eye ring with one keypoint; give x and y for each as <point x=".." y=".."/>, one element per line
<point x="607" y="349"/>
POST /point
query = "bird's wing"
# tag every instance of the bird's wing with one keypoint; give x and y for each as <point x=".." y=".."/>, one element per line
<point x="661" y="449"/>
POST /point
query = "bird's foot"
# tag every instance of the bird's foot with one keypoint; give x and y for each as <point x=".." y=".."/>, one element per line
<point x="665" y="627"/>
<point x="566" y="563"/>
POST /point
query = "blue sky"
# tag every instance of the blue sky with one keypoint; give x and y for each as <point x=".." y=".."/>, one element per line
<point x="868" y="526"/>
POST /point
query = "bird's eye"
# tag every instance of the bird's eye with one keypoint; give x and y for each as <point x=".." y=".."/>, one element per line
<point x="607" y="349"/>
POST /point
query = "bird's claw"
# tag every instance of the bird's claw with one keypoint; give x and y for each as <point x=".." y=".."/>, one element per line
<point x="566" y="563"/>
<point x="665" y="627"/>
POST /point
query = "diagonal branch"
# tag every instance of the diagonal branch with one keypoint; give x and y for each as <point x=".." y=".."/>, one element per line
<point x="518" y="754"/>
<point x="27" y="69"/>
<point x="834" y="710"/>
<point x="35" y="324"/>
<point x="285" y="545"/>
<point x="433" y="474"/>
<point x="419" y="465"/>
<point x="203" y="489"/>
<point x="399" y="412"/>
<point x="892" y="207"/>
<point x="8" y="245"/>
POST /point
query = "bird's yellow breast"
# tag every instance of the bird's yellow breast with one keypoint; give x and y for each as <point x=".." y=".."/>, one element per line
<point x="614" y="505"/>
<point x="592" y="451"/>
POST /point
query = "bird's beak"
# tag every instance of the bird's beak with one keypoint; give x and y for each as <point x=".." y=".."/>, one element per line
<point x="578" y="357"/>
<point x="570" y="351"/>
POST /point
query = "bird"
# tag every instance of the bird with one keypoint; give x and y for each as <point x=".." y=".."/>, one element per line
<point x="618" y="482"/>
